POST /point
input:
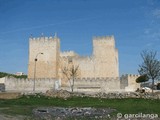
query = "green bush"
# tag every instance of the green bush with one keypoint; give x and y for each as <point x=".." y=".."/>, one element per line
<point x="142" y="78"/>
<point x="158" y="86"/>
<point x="3" y="74"/>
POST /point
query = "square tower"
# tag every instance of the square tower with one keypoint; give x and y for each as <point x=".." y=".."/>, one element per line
<point x="43" y="65"/>
<point x="105" y="57"/>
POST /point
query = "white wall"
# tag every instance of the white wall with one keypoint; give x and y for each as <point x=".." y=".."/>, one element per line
<point x="2" y="80"/>
<point x="85" y="85"/>
<point x="26" y="85"/>
<point x="94" y="85"/>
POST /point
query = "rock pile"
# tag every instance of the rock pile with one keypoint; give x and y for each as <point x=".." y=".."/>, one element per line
<point x="60" y="94"/>
<point x="128" y="95"/>
<point x="114" y="95"/>
<point x="58" y="113"/>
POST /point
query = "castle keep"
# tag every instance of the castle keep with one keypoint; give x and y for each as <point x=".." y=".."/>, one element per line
<point x="96" y="73"/>
<point x="48" y="62"/>
<point x="103" y="63"/>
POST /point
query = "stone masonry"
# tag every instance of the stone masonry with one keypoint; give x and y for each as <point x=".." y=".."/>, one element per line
<point x="47" y="63"/>
<point x="102" y="63"/>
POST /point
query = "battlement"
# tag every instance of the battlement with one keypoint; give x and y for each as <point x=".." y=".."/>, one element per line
<point x="103" y="38"/>
<point x="103" y="62"/>
<point x="128" y="82"/>
<point x="100" y="84"/>
<point x="68" y="53"/>
<point x="97" y="79"/>
<point x="28" y="79"/>
<point x="85" y="58"/>
<point x="130" y="76"/>
<point x="47" y="64"/>
<point x="24" y="85"/>
<point x="44" y="39"/>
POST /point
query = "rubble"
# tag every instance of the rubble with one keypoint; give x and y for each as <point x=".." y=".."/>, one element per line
<point x="112" y="95"/>
<point x="59" y="113"/>
<point x="58" y="93"/>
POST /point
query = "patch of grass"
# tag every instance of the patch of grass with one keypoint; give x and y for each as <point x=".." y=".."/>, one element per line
<point x="18" y="110"/>
<point x="25" y="104"/>
<point x="3" y="74"/>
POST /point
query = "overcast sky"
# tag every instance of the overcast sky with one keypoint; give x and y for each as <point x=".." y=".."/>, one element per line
<point x="135" y="25"/>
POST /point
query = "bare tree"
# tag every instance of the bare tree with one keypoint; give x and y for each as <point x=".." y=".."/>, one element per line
<point x="150" y="66"/>
<point x="70" y="72"/>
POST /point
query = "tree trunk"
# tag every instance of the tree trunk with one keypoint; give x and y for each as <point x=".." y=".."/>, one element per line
<point x="72" y="87"/>
<point x="152" y="85"/>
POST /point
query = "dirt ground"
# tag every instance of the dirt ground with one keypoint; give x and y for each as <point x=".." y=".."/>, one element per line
<point x="9" y="117"/>
<point x="9" y="95"/>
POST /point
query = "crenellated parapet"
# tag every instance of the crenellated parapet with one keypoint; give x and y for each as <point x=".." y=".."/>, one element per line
<point x="108" y="40"/>
<point x="133" y="76"/>
<point x="84" y="59"/>
<point x="47" y="63"/>
<point x="102" y="84"/>
<point x="43" y="39"/>
<point x="103" y="38"/>
<point x="102" y="63"/>
<point x="128" y="82"/>
<point x="97" y="79"/>
<point x="68" y="54"/>
<point x="22" y="80"/>
<point x="23" y="85"/>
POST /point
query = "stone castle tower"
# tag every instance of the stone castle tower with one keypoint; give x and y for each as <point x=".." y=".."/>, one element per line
<point x="47" y="63"/>
<point x="102" y="63"/>
<point x="106" y="56"/>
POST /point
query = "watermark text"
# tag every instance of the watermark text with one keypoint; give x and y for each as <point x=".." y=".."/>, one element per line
<point x="138" y="115"/>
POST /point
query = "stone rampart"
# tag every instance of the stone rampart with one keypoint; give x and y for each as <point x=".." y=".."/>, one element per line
<point x="84" y="85"/>
<point x="45" y="50"/>
<point x="42" y="38"/>
<point x="2" y="80"/>
<point x="26" y="85"/>
<point x="94" y="85"/>
<point x="68" y="53"/>
<point x="128" y="82"/>
<point x="102" y="63"/>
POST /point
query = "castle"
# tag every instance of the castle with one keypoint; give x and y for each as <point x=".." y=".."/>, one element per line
<point x="103" y="62"/>
<point x="96" y="73"/>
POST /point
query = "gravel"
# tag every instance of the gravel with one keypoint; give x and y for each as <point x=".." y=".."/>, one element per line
<point x="59" y="113"/>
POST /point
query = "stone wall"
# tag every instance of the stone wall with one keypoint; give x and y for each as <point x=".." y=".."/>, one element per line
<point x="94" y="85"/>
<point x="26" y="85"/>
<point x="2" y="80"/>
<point x="68" y="53"/>
<point x="105" y="56"/>
<point x="84" y="85"/>
<point x="86" y="67"/>
<point x="102" y="63"/>
<point x="47" y="63"/>
<point x="128" y="82"/>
